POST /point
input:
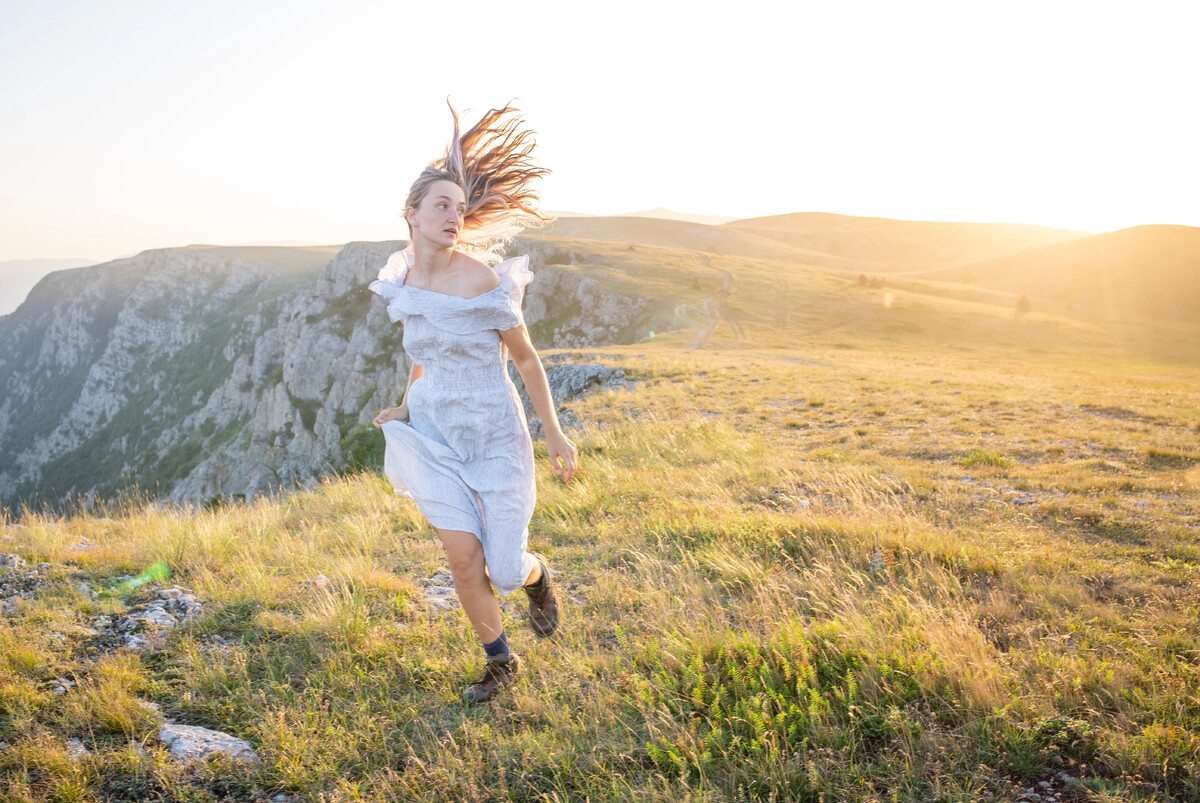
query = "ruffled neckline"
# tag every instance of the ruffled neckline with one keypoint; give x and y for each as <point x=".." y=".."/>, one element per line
<point x="498" y="308"/>
<point x="402" y="281"/>
<point x="398" y="265"/>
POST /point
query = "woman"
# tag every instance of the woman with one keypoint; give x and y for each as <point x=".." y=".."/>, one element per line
<point x="458" y="444"/>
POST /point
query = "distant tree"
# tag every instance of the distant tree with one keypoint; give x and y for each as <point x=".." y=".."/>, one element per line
<point x="862" y="280"/>
<point x="877" y="281"/>
<point x="1023" y="304"/>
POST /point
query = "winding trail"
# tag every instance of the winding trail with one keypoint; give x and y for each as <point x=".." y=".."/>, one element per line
<point x="710" y="310"/>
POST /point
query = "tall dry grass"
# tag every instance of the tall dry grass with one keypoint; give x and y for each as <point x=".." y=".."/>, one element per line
<point x="857" y="577"/>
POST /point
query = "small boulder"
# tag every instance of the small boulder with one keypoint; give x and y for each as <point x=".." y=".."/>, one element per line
<point x="157" y="616"/>
<point x="320" y="581"/>
<point x="187" y="742"/>
<point x="440" y="593"/>
<point x="11" y="562"/>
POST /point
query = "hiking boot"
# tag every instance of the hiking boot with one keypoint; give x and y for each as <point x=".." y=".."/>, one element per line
<point x="543" y="607"/>
<point x="496" y="675"/>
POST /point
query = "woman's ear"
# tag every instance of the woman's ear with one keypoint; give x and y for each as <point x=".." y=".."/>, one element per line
<point x="410" y="216"/>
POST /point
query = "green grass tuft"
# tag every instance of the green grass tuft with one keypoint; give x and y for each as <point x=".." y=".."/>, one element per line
<point x="981" y="458"/>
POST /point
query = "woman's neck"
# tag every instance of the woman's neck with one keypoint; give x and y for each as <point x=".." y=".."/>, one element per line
<point x="429" y="259"/>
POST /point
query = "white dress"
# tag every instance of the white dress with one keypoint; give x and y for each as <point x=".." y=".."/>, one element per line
<point x="464" y="456"/>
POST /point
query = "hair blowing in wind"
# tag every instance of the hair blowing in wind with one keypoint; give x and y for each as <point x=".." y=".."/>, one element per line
<point x="493" y="164"/>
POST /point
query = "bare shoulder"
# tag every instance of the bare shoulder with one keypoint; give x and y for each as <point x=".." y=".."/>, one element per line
<point x="477" y="277"/>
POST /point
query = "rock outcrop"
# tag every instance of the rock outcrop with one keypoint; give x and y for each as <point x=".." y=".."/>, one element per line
<point x="204" y="374"/>
<point x="145" y="625"/>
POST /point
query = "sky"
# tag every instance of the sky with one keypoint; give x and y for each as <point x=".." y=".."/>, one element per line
<point x="135" y="124"/>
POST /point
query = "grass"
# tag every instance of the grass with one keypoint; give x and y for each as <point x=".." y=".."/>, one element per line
<point x="982" y="458"/>
<point x="904" y="547"/>
<point x="863" y="576"/>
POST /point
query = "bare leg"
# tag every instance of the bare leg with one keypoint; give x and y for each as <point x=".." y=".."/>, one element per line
<point x="465" y="554"/>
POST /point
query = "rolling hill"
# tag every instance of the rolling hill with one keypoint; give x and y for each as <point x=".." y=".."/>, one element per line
<point x="686" y="235"/>
<point x="662" y="213"/>
<point x="886" y="245"/>
<point x="1146" y="271"/>
<point x="840" y="242"/>
<point x="205" y="371"/>
<point x="867" y="542"/>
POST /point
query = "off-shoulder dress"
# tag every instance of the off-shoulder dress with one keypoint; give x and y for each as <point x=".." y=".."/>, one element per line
<point x="464" y="456"/>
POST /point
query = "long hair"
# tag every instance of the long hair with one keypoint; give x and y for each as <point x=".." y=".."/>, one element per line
<point x="492" y="164"/>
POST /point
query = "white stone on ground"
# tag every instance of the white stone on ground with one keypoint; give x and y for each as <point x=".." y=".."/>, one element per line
<point x="439" y="591"/>
<point x="157" y="616"/>
<point x="192" y="741"/>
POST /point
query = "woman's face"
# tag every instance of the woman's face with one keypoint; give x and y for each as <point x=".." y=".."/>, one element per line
<point x="439" y="217"/>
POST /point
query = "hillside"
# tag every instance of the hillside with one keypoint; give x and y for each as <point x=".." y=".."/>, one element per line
<point x="1145" y="271"/>
<point x="810" y="574"/>
<point x="887" y="246"/>
<point x="829" y="540"/>
<point x="746" y="303"/>
<point x="210" y="372"/>
<point x="687" y="235"/>
<point x="301" y="261"/>
<point x="106" y="366"/>
<point x="841" y="242"/>
<point x="669" y="214"/>
<point x="18" y="276"/>
<point x="206" y="373"/>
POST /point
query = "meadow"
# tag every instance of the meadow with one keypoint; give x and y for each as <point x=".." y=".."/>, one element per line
<point x="868" y="544"/>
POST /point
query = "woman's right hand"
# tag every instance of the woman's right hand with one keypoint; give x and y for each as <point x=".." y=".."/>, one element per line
<point x="390" y="414"/>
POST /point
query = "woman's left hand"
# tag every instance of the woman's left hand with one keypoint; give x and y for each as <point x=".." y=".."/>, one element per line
<point x="563" y="455"/>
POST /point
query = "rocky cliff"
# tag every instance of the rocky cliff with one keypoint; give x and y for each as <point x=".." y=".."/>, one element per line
<point x="205" y="373"/>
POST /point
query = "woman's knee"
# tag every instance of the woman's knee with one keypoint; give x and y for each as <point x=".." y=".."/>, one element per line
<point x="508" y="575"/>
<point x="464" y="553"/>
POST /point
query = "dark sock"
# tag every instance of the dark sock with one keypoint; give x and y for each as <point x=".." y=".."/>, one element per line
<point x="498" y="649"/>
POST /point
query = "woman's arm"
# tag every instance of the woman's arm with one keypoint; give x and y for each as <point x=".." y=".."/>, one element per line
<point x="414" y="374"/>
<point x="399" y="413"/>
<point x="563" y="454"/>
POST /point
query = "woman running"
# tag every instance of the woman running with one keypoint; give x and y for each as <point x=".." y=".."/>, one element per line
<point x="458" y="444"/>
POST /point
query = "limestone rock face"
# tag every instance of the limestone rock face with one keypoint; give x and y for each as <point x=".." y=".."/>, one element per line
<point x="569" y="380"/>
<point x="566" y="309"/>
<point x="202" y="374"/>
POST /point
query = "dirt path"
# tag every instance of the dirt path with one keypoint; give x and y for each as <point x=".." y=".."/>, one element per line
<point x="704" y="315"/>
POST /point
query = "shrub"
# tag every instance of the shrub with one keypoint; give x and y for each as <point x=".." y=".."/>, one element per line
<point x="363" y="447"/>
